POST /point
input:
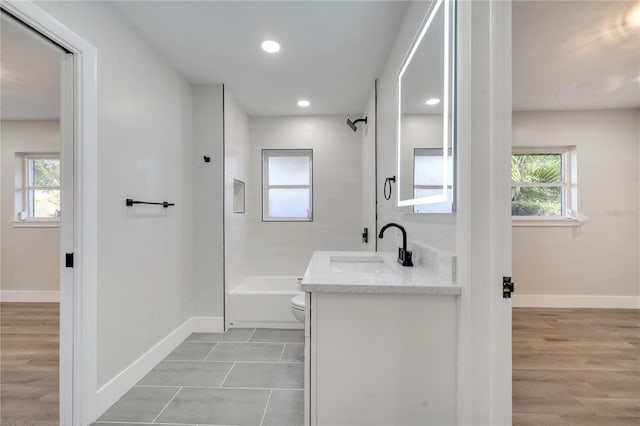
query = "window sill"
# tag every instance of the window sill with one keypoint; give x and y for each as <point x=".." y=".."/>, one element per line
<point x="545" y="222"/>
<point x="35" y="223"/>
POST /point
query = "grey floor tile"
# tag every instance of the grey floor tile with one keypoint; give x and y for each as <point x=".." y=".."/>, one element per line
<point x="190" y="351"/>
<point x="246" y="352"/>
<point x="278" y="335"/>
<point x="139" y="405"/>
<point x="286" y="408"/>
<point x="293" y="352"/>
<point x="266" y="375"/>
<point x="232" y="335"/>
<point x="179" y="373"/>
<point x="217" y="407"/>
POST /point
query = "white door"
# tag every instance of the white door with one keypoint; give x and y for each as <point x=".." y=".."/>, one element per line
<point x="67" y="293"/>
<point x="484" y="212"/>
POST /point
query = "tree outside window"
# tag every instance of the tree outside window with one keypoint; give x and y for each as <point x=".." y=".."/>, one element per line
<point x="538" y="184"/>
<point x="43" y="187"/>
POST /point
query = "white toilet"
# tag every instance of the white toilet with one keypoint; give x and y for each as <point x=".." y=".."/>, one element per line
<point x="297" y="307"/>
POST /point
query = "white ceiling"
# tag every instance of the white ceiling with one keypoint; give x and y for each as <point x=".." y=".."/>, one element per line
<point x="331" y="51"/>
<point x="576" y="54"/>
<point x="566" y="54"/>
<point x="30" y="74"/>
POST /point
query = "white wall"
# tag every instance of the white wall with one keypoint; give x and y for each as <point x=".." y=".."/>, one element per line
<point x="30" y="256"/>
<point x="284" y="248"/>
<point x="208" y="199"/>
<point x="145" y="264"/>
<point x="599" y="258"/>
<point x="436" y="230"/>
<point x="237" y="157"/>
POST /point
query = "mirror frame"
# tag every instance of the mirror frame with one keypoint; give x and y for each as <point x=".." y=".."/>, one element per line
<point x="448" y="118"/>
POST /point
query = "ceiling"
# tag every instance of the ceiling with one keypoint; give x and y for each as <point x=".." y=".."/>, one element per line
<point x="332" y="51"/>
<point x="566" y="54"/>
<point x="30" y="74"/>
<point x="576" y="54"/>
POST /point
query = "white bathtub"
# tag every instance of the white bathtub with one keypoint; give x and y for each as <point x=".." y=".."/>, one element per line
<point x="263" y="301"/>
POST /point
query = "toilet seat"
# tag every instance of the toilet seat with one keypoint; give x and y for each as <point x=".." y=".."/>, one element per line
<point x="298" y="302"/>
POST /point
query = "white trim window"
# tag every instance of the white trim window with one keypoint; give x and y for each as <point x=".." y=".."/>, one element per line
<point x="287" y="185"/>
<point x="41" y="189"/>
<point x="543" y="183"/>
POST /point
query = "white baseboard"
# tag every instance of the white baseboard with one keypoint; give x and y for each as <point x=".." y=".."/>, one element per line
<point x="29" y="296"/>
<point x="575" y="301"/>
<point x="115" y="388"/>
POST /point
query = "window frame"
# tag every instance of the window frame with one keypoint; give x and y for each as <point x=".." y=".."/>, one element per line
<point x="268" y="153"/>
<point x="568" y="185"/>
<point x="27" y="188"/>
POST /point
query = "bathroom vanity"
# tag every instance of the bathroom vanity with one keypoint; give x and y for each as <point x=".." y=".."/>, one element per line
<point x="380" y="340"/>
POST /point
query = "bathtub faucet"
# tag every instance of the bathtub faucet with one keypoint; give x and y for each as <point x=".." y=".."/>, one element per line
<point x="404" y="255"/>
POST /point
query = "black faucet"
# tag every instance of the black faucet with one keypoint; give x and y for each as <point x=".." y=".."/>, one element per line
<point x="404" y="256"/>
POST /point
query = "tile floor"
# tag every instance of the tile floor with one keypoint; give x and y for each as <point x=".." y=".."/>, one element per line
<point x="241" y="377"/>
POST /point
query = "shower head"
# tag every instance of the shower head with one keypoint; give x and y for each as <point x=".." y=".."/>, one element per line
<point x="352" y="124"/>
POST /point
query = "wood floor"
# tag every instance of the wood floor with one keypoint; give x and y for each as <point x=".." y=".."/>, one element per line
<point x="29" y="364"/>
<point x="576" y="367"/>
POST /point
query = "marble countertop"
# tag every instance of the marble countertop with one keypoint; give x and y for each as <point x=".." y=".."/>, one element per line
<point x="383" y="275"/>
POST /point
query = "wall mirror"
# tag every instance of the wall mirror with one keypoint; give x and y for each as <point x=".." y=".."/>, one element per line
<point x="425" y="129"/>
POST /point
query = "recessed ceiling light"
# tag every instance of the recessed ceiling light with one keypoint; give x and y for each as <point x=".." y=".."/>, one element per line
<point x="303" y="103"/>
<point x="270" y="46"/>
<point x="432" y="101"/>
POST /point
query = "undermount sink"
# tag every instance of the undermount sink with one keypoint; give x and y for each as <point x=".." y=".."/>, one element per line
<point x="351" y="259"/>
<point x="358" y="264"/>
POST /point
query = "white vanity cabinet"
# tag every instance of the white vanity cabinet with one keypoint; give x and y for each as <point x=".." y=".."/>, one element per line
<point x="380" y="346"/>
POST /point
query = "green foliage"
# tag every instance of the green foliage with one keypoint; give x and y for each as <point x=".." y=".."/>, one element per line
<point x="535" y="208"/>
<point x="45" y="173"/>
<point x="536" y="200"/>
<point x="46" y="203"/>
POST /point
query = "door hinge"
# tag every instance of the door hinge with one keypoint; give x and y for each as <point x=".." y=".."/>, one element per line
<point x="68" y="260"/>
<point x="507" y="287"/>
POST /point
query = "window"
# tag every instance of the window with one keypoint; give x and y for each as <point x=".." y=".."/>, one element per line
<point x="41" y="200"/>
<point x="541" y="183"/>
<point x="427" y="179"/>
<point x="287" y="189"/>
